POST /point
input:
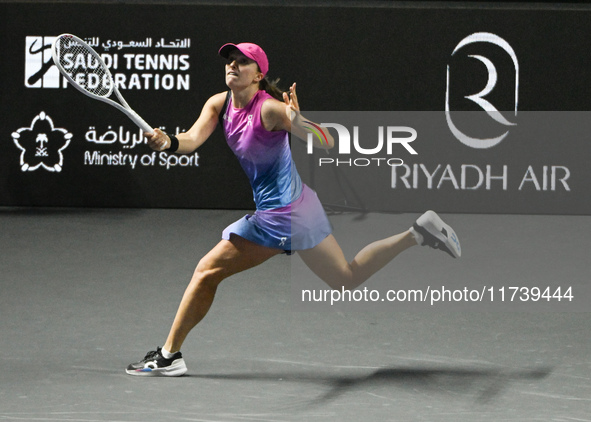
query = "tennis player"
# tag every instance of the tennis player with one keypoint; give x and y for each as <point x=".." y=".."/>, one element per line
<point x="257" y="120"/>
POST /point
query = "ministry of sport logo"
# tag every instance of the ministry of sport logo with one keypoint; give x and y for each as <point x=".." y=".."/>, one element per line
<point x="470" y="130"/>
<point x="41" y="144"/>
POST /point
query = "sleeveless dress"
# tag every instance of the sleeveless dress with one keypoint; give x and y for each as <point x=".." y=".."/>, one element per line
<point x="289" y="215"/>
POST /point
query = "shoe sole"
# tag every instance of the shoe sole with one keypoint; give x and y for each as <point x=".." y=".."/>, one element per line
<point x="431" y="222"/>
<point x="177" y="369"/>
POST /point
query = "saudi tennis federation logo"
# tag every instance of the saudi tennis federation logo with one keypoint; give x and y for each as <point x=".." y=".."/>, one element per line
<point x="40" y="72"/>
<point x="41" y="144"/>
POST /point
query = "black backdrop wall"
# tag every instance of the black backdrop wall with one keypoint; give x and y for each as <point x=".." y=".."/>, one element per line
<point x="62" y="149"/>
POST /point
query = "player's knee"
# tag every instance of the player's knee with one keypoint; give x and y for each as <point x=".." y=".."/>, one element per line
<point x="207" y="275"/>
<point x="342" y="279"/>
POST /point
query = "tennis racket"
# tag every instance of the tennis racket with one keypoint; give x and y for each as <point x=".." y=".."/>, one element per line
<point x="87" y="72"/>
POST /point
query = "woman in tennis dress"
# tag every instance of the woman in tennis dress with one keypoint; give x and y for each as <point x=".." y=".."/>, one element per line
<point x="257" y="123"/>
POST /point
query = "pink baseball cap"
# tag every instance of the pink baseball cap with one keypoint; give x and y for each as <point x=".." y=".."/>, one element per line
<point x="252" y="51"/>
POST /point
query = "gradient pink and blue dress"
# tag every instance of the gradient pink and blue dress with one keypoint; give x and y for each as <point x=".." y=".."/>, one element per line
<point x="288" y="214"/>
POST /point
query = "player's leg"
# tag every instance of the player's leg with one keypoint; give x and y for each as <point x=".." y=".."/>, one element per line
<point x="228" y="257"/>
<point x="328" y="262"/>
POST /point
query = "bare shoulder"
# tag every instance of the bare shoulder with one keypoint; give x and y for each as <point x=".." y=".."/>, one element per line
<point x="271" y="105"/>
<point x="217" y="101"/>
<point x="273" y="115"/>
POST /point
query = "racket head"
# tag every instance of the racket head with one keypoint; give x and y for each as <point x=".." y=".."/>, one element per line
<point x="82" y="66"/>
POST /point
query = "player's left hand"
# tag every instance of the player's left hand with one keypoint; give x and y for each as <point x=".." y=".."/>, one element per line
<point x="292" y="107"/>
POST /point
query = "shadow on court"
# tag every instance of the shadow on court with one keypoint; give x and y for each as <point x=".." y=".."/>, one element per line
<point x="484" y="384"/>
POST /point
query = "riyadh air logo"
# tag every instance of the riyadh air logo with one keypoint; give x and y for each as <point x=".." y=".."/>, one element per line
<point x="500" y="90"/>
<point x="40" y="71"/>
<point x="41" y="144"/>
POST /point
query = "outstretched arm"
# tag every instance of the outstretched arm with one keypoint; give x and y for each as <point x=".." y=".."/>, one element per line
<point x="201" y="130"/>
<point x="287" y="117"/>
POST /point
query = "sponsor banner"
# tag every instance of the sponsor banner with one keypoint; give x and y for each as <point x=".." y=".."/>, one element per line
<point x="146" y="64"/>
<point x="65" y="149"/>
<point x="393" y="161"/>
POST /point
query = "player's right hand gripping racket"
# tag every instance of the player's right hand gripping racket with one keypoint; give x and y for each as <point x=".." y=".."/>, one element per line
<point x="87" y="72"/>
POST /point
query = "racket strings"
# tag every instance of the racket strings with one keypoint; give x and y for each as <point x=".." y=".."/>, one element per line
<point x="84" y="67"/>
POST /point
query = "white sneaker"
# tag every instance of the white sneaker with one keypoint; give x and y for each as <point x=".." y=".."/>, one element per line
<point x="430" y="230"/>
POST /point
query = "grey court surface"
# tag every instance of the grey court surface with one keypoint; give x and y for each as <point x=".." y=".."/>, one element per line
<point x="85" y="292"/>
